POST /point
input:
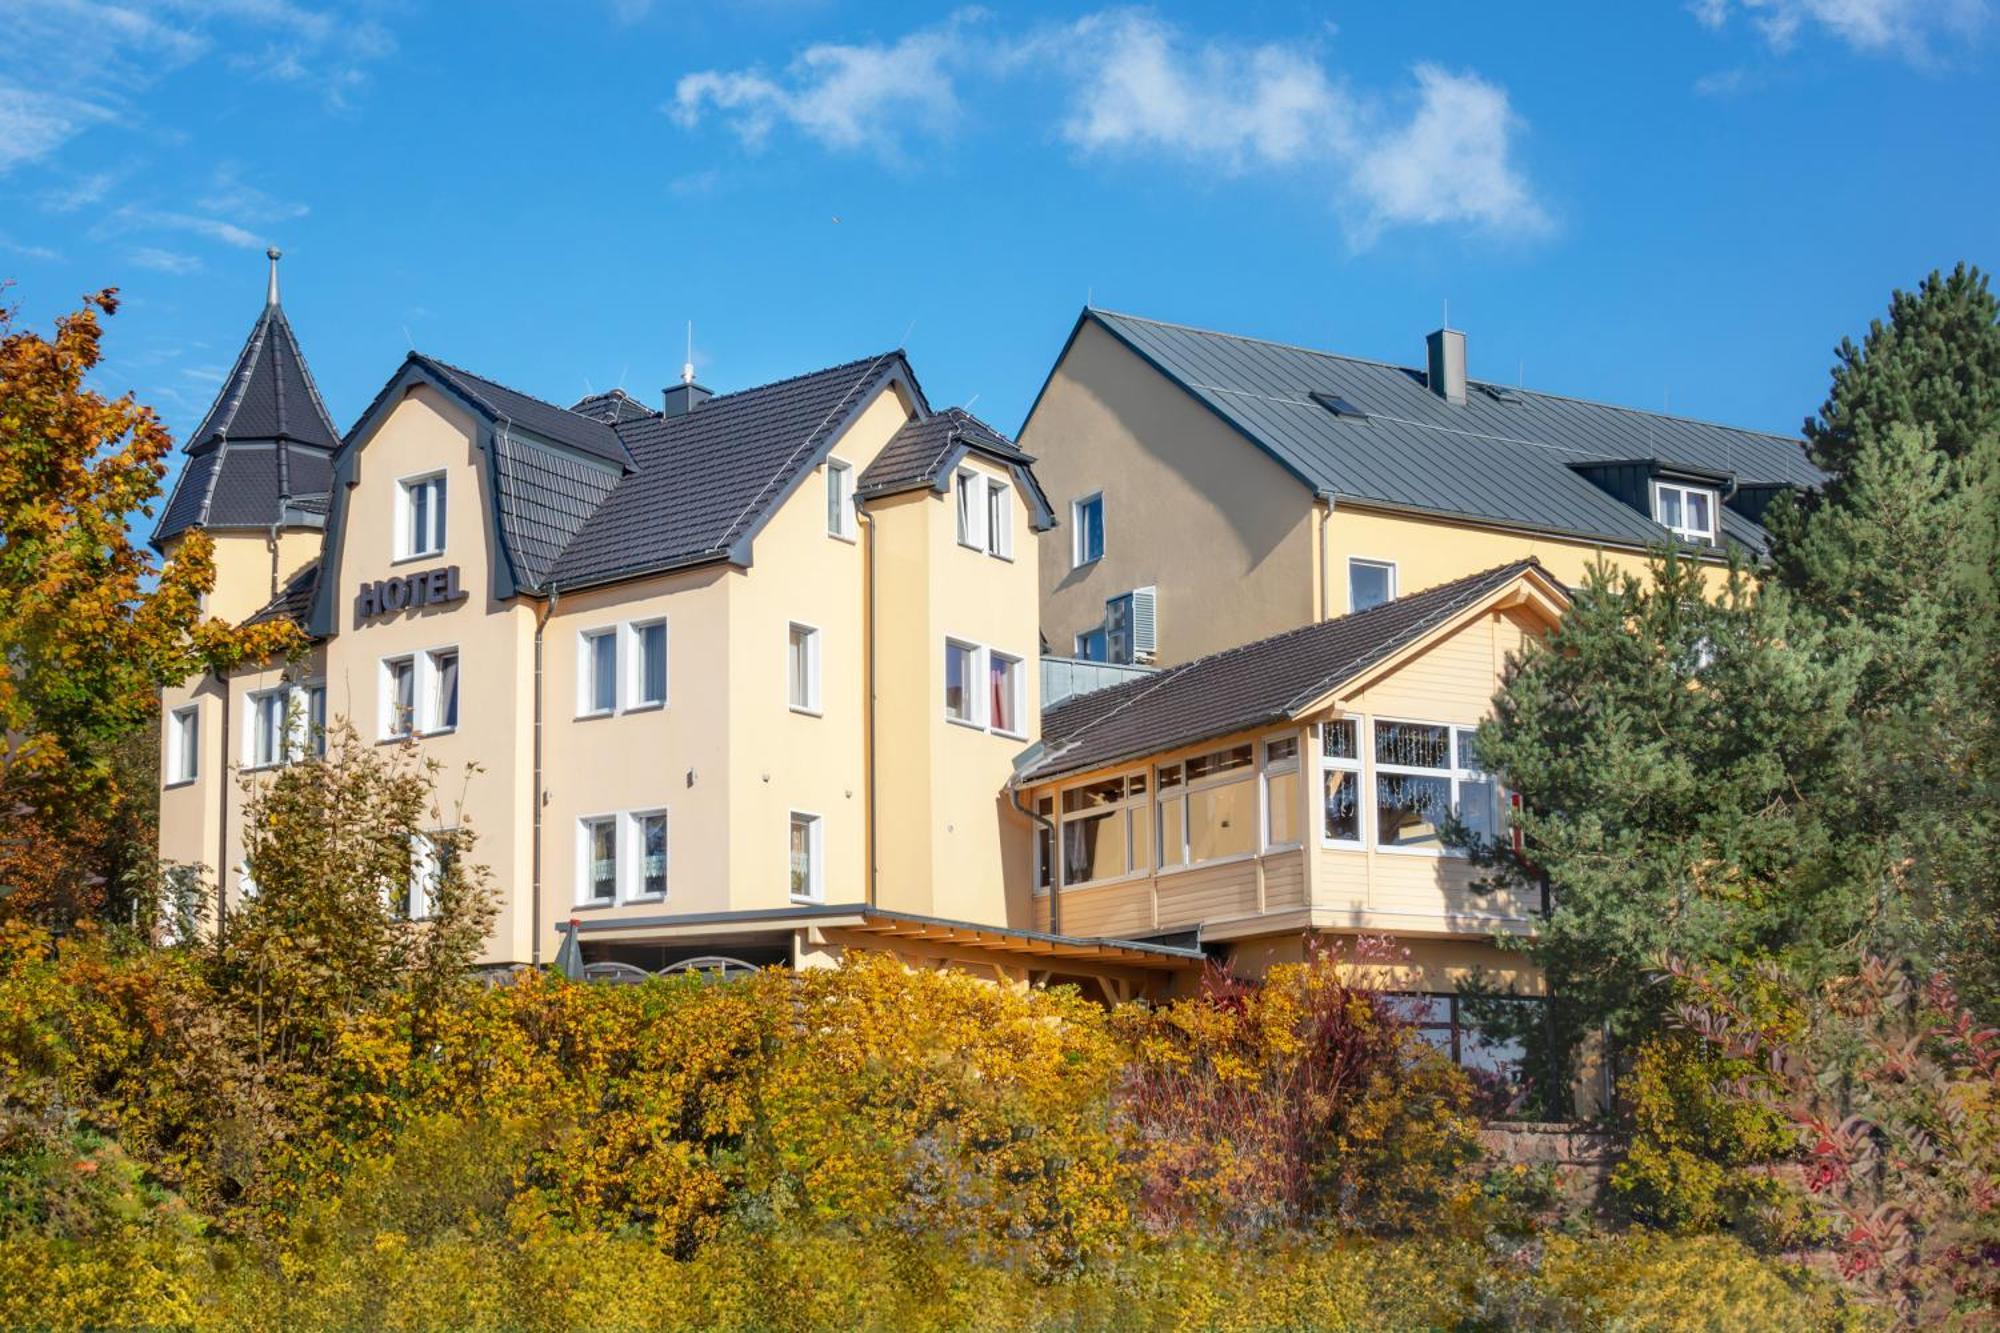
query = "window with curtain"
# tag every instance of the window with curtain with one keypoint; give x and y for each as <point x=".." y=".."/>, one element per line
<point x="400" y="696"/>
<point x="269" y="727"/>
<point x="805" y="856"/>
<point x="961" y="668"/>
<point x="1425" y="773"/>
<point x="600" y="860"/>
<point x="1106" y="829"/>
<point x="1211" y="802"/>
<point x="444" y="691"/>
<point x="649" y="667"/>
<point x="1340" y="781"/>
<point x="1004" y="690"/>
<point x="652" y="830"/>
<point x="597" y="675"/>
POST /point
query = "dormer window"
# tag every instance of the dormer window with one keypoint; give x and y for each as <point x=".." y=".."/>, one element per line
<point x="1686" y="511"/>
<point x="420" y="520"/>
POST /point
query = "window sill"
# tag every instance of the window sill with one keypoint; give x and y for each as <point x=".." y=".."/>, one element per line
<point x="638" y="898"/>
<point x="437" y="731"/>
<point x="1085" y="564"/>
<point x="405" y="738"/>
<point x="415" y="556"/>
<point x="1112" y="881"/>
<point x="1006" y="735"/>
<point x="965" y="722"/>
<point x="980" y="547"/>
<point x="1445" y="853"/>
<point x="271" y="767"/>
<point x="596" y="713"/>
<point x="806" y="712"/>
<point x="1001" y="555"/>
<point x="806" y="901"/>
<point x="1342" y="845"/>
<point x="850" y="538"/>
<point x="645" y="708"/>
<point x="1238" y="859"/>
<point x="594" y="905"/>
<point x="178" y="783"/>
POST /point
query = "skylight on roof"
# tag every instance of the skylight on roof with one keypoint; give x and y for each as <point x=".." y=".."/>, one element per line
<point x="1500" y="393"/>
<point x="1337" y="405"/>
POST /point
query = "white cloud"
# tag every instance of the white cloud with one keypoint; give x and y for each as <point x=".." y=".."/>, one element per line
<point x="230" y="196"/>
<point x="9" y="245"/>
<point x="1139" y="85"/>
<point x="1450" y="162"/>
<point x="860" y="97"/>
<point x="130" y="218"/>
<point x="165" y="261"/>
<point x="1909" y="28"/>
<point x="34" y="124"/>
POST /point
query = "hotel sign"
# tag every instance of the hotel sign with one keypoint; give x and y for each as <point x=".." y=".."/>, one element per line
<point x="385" y="597"/>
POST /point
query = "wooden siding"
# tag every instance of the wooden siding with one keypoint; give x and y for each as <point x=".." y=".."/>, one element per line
<point x="1227" y="891"/>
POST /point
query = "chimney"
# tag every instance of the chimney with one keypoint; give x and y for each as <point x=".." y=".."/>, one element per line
<point x="1446" y="365"/>
<point x="686" y="396"/>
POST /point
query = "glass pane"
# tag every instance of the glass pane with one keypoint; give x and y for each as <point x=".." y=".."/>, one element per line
<point x="997" y="516"/>
<point x="437" y="514"/>
<point x="1343" y="805"/>
<point x="402" y="697"/>
<point x="1468" y="749"/>
<point x="1697" y="511"/>
<point x="1281" y="752"/>
<point x="1142" y="836"/>
<point x="1222" y="761"/>
<point x="1413" y="744"/>
<point x="1222" y="821"/>
<point x="1337" y="740"/>
<point x="1173" y="833"/>
<point x="1282" y="791"/>
<point x="420" y="511"/>
<point x="447" y="689"/>
<point x="653" y="664"/>
<point x="1044" y="857"/>
<point x="1409" y="809"/>
<point x="603" y="860"/>
<point x="801" y="857"/>
<point x="1001" y="673"/>
<point x="799" y="667"/>
<point x="836" y="498"/>
<point x="603" y="672"/>
<point x="966" y="513"/>
<point x="1476" y="800"/>
<point x="958" y="682"/>
<point x="1670" y="507"/>
<point x="1424" y="1010"/>
<point x="1109" y="792"/>
<point x="653" y="865"/>
<point x="1170" y="775"/>
<point x="1367" y="585"/>
<point x="316" y="719"/>
<point x="1093" y="847"/>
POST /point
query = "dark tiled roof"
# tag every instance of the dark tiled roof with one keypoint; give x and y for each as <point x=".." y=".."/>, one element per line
<point x="266" y="436"/>
<point x="1503" y="456"/>
<point x="572" y="430"/>
<point x="706" y="478"/>
<point x="613" y="406"/>
<point x="1246" y="686"/>
<point x="923" y="447"/>
<point x="293" y="601"/>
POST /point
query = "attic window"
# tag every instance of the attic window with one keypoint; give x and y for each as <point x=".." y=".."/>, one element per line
<point x="1500" y="393"/>
<point x="1337" y="405"/>
<point x="1686" y="511"/>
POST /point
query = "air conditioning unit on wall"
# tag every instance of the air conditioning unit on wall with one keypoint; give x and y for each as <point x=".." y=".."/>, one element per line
<point x="1132" y="626"/>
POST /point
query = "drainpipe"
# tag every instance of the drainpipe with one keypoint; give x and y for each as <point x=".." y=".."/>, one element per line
<point x="535" y="795"/>
<point x="1325" y="506"/>
<point x="869" y="647"/>
<point x="1055" y="878"/>
<point x="222" y="815"/>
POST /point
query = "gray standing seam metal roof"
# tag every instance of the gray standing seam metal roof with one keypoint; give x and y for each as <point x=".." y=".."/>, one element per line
<point x="1485" y="460"/>
<point x="266" y="436"/>
<point x="1246" y="686"/>
<point x="914" y="456"/>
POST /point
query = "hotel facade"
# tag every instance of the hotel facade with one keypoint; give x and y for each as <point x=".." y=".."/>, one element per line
<point x="757" y="677"/>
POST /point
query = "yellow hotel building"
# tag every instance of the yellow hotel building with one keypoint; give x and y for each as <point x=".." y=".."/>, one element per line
<point x="756" y="678"/>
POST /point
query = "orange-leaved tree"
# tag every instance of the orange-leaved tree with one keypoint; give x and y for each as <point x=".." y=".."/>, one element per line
<point x="91" y="626"/>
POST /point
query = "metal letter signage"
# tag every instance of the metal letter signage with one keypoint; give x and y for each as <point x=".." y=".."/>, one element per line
<point x="432" y="587"/>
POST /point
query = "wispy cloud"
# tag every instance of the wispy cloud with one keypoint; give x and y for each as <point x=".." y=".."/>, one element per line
<point x="165" y="261"/>
<point x="230" y="196"/>
<point x="79" y="193"/>
<point x="131" y="217"/>
<point x="1911" y="29"/>
<point x="1130" y="83"/>
<point x="69" y="65"/>
<point x="8" y="245"/>
<point x="850" y="97"/>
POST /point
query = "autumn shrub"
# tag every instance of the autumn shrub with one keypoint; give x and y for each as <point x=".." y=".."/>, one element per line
<point x="1304" y="1098"/>
<point x="1894" y="1093"/>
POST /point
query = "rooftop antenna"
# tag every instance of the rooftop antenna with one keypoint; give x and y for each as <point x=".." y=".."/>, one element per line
<point x="271" y="294"/>
<point x="1447" y="312"/>
<point x="687" y="366"/>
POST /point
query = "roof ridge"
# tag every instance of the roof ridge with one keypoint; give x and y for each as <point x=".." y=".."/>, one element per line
<point x="443" y="364"/>
<point x="806" y="375"/>
<point x="312" y="385"/>
<point x="1413" y="370"/>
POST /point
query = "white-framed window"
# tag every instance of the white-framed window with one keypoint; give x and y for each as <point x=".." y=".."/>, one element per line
<point x="440" y="711"/>
<point x="399" y="696"/>
<point x="420" y="517"/>
<point x="246" y="883"/>
<point x="1208" y="807"/>
<point x="597" y="860"/>
<point x="1086" y="530"/>
<point x="969" y="495"/>
<point x="1107" y="829"/>
<point x="183" y="744"/>
<point x="1340" y="782"/>
<point x="596" y="671"/>
<point x="805" y="857"/>
<point x="430" y="861"/>
<point x="961" y="682"/>
<point x="647" y="669"/>
<point x="839" y="499"/>
<point x="270" y="737"/>
<point x="802" y="668"/>
<point x="1424" y="773"/>
<point x="649" y="856"/>
<point x="1370" y="583"/>
<point x="999" y="519"/>
<point x="1005" y="700"/>
<point x="1093" y="645"/>
<point x="1282" y="803"/>
<point x="1686" y="511"/>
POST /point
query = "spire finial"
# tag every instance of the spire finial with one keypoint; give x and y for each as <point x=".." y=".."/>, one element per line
<point x="273" y="254"/>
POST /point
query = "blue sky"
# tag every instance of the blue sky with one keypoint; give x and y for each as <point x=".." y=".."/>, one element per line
<point x="1655" y="204"/>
